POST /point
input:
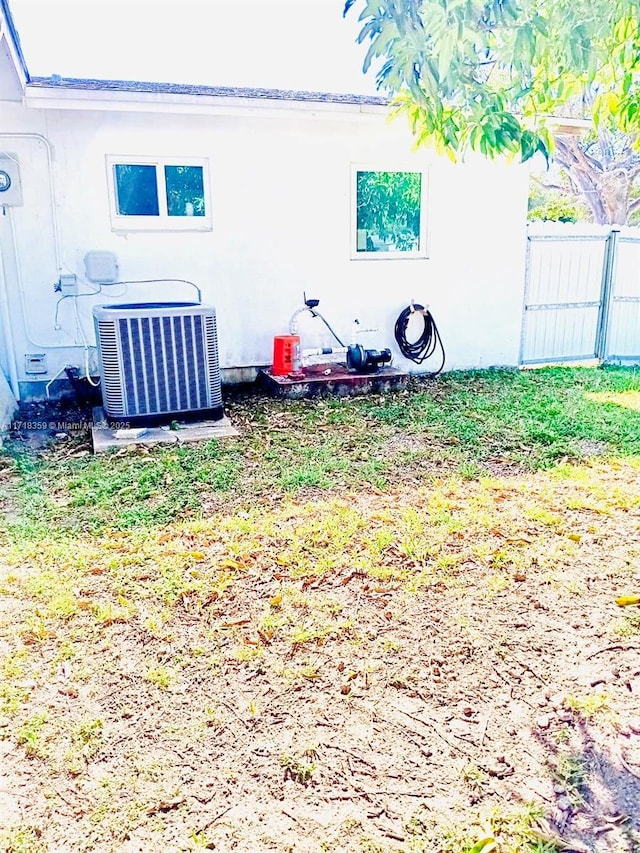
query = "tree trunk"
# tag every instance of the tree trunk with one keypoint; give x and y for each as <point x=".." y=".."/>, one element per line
<point x="615" y="188"/>
<point x="603" y="182"/>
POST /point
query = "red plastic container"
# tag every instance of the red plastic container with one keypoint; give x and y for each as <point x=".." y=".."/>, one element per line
<point x="286" y="350"/>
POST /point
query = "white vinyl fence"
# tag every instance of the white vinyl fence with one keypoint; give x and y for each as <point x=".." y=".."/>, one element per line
<point x="582" y="294"/>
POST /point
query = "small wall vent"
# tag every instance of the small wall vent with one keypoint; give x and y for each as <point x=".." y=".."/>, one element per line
<point x="35" y="363"/>
<point x="158" y="361"/>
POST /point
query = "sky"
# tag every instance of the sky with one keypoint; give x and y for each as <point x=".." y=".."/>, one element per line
<point x="289" y="44"/>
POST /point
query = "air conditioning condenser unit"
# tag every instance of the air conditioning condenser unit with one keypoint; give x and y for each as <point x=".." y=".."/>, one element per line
<point x="158" y="362"/>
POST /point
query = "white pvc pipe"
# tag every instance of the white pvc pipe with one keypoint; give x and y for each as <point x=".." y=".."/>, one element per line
<point x="8" y="334"/>
<point x="52" y="380"/>
<point x="87" y="374"/>
<point x="323" y="351"/>
<point x="21" y="289"/>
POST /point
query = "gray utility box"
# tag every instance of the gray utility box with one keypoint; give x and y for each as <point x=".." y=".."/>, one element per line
<point x="10" y="186"/>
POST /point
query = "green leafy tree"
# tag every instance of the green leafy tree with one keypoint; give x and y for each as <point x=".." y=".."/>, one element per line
<point x="388" y="206"/>
<point x="555" y="206"/>
<point x="486" y="75"/>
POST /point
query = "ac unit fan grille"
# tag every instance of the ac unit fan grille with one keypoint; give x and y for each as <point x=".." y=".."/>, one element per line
<point x="112" y="387"/>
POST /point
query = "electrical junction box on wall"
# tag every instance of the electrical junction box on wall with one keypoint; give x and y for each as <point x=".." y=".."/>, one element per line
<point x="101" y="267"/>
<point x="69" y="285"/>
<point x="10" y="186"/>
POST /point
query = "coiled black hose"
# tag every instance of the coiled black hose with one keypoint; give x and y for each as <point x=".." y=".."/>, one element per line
<point x="426" y="345"/>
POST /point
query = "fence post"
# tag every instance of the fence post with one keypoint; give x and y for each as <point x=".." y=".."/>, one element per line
<point x="527" y="278"/>
<point x="606" y="293"/>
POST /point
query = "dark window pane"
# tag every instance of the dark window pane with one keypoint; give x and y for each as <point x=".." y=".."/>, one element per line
<point x="388" y="211"/>
<point x="136" y="190"/>
<point x="185" y="190"/>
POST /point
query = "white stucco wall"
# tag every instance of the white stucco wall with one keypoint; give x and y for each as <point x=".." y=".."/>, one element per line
<point x="280" y="189"/>
<point x="8" y="407"/>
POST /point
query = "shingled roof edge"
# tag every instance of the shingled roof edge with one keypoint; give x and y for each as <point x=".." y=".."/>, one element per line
<point x="142" y="87"/>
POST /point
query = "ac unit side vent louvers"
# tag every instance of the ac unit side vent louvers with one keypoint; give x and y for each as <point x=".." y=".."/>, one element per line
<point x="158" y="361"/>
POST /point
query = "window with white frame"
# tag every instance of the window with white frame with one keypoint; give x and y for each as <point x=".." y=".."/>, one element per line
<point x="159" y="193"/>
<point x="388" y="213"/>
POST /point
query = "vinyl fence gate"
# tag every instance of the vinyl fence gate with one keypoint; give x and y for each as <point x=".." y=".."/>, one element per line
<point x="582" y="298"/>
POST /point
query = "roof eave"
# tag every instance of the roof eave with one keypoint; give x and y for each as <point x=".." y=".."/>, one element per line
<point x="43" y="93"/>
<point x="8" y="29"/>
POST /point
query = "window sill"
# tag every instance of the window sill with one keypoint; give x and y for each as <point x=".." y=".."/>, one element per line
<point x="139" y="225"/>
<point x="389" y="256"/>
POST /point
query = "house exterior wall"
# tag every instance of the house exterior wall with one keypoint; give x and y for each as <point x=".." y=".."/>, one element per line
<point x="8" y="406"/>
<point x="281" y="203"/>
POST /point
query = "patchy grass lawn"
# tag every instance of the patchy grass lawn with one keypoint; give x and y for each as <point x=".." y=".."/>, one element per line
<point x="370" y="625"/>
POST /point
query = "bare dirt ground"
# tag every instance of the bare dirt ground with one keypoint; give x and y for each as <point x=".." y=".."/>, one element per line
<point x="456" y="658"/>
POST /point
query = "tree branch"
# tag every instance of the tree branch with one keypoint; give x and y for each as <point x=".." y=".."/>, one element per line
<point x="558" y="187"/>
<point x="570" y="145"/>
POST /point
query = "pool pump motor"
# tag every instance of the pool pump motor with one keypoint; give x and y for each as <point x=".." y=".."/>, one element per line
<point x="366" y="360"/>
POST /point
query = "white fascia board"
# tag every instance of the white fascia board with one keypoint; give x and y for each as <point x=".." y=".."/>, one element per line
<point x="16" y="60"/>
<point x="160" y="102"/>
<point x="15" y="69"/>
<point x="111" y="100"/>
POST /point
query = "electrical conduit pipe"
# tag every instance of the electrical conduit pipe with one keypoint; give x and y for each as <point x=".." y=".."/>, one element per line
<point x="8" y="334"/>
<point x="56" y="238"/>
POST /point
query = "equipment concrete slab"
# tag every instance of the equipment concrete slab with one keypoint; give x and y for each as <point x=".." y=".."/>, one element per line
<point x="332" y="380"/>
<point x="107" y="438"/>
